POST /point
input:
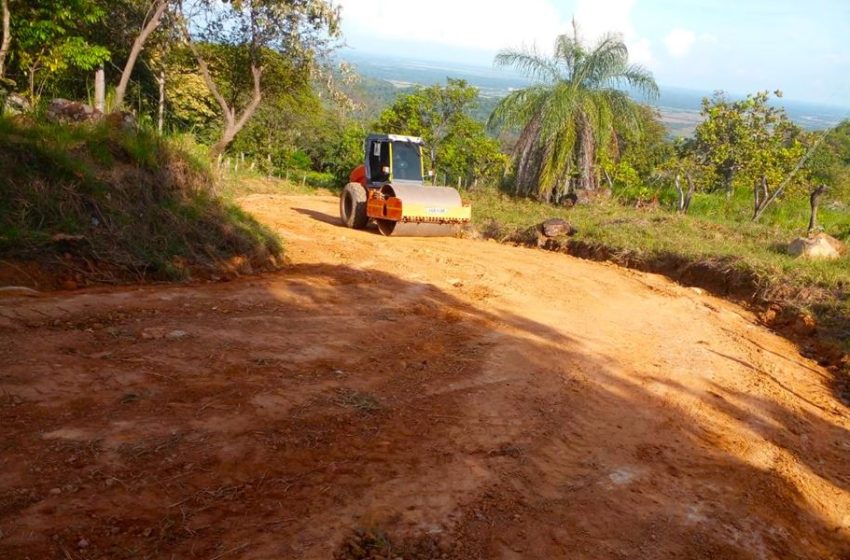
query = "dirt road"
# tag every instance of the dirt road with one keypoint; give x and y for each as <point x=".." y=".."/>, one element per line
<point x="439" y="397"/>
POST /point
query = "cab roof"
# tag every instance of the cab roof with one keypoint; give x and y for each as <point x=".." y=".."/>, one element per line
<point x="394" y="138"/>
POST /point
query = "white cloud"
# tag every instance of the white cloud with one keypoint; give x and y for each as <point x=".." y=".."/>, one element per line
<point x="640" y="52"/>
<point x="490" y="25"/>
<point x="598" y="17"/>
<point x="471" y="24"/>
<point x="679" y="42"/>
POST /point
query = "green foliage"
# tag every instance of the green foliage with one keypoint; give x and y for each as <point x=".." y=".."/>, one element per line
<point x="830" y="162"/>
<point x="570" y="117"/>
<point x="457" y="145"/>
<point x="340" y="149"/>
<point x="245" y="48"/>
<point x="628" y="186"/>
<point x="646" y="147"/>
<point x="51" y="37"/>
<point x="741" y="142"/>
<point x="111" y="189"/>
<point x="709" y="235"/>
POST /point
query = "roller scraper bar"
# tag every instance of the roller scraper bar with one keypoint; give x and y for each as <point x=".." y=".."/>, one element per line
<point x="417" y="211"/>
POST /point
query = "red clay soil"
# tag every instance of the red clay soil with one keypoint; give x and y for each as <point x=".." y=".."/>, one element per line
<point x="413" y="398"/>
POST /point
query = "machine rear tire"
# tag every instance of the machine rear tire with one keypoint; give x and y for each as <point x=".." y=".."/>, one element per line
<point x="352" y="206"/>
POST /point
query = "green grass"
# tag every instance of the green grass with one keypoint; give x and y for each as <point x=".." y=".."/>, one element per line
<point x="141" y="207"/>
<point x="717" y="235"/>
<point x="245" y="182"/>
<point x="716" y="228"/>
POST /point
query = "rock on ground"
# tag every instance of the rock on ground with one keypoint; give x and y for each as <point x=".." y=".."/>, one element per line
<point x="63" y="110"/>
<point x="820" y="246"/>
<point x="556" y="227"/>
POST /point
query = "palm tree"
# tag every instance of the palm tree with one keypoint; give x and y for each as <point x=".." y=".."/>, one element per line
<point x="567" y="116"/>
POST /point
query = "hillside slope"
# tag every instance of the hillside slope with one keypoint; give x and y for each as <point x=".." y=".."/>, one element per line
<point x="95" y="204"/>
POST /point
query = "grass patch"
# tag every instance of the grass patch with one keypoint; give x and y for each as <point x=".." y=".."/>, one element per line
<point x="100" y="204"/>
<point x="361" y="402"/>
<point x="715" y="247"/>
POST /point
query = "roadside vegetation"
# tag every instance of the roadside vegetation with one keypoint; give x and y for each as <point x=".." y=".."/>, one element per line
<point x="94" y="204"/>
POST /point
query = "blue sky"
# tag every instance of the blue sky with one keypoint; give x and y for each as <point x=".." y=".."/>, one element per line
<point x="740" y="46"/>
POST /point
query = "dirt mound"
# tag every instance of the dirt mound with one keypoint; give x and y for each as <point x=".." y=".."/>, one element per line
<point x="95" y="203"/>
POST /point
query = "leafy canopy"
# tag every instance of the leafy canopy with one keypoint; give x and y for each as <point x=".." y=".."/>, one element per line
<point x="50" y="36"/>
<point x="567" y="117"/>
<point x="741" y="142"/>
<point x="458" y="146"/>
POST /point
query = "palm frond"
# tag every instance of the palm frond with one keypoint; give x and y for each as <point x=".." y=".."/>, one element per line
<point x="608" y="57"/>
<point x="530" y="64"/>
<point x="518" y="108"/>
<point x="568" y="53"/>
<point x="638" y="78"/>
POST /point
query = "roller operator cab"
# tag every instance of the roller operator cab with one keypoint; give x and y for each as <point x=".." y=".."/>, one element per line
<point x="389" y="189"/>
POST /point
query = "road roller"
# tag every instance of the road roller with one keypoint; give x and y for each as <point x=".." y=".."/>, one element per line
<point x="389" y="189"/>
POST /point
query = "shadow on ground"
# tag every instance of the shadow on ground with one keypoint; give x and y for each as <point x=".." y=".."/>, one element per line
<point x="294" y="410"/>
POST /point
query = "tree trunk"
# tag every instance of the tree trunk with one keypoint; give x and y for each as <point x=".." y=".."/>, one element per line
<point x="757" y="197"/>
<point x="690" y="194"/>
<point x="815" y="201"/>
<point x="434" y="164"/>
<point x="677" y="182"/>
<point x="100" y="89"/>
<point x="7" y="36"/>
<point x="526" y="174"/>
<point x="160" y="120"/>
<point x="586" y="157"/>
<point x="158" y="8"/>
<point x="763" y="198"/>
<point x="233" y="123"/>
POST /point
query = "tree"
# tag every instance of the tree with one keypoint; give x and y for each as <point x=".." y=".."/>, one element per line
<point x="433" y="113"/>
<point x="458" y="146"/>
<point x="151" y="22"/>
<point x="830" y="163"/>
<point x="567" y="118"/>
<point x="739" y="141"/>
<point x="51" y="37"/>
<point x="292" y="125"/>
<point x="751" y="143"/>
<point x="646" y="147"/>
<point x="298" y="30"/>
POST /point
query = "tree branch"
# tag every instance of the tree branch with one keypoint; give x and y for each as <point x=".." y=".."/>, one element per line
<point x="158" y="7"/>
<point x="767" y="198"/>
<point x="205" y="73"/>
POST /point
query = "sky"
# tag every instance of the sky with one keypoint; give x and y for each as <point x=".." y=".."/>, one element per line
<point x="798" y="46"/>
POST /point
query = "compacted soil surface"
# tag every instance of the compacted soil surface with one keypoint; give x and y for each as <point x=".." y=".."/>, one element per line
<point x="412" y="398"/>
